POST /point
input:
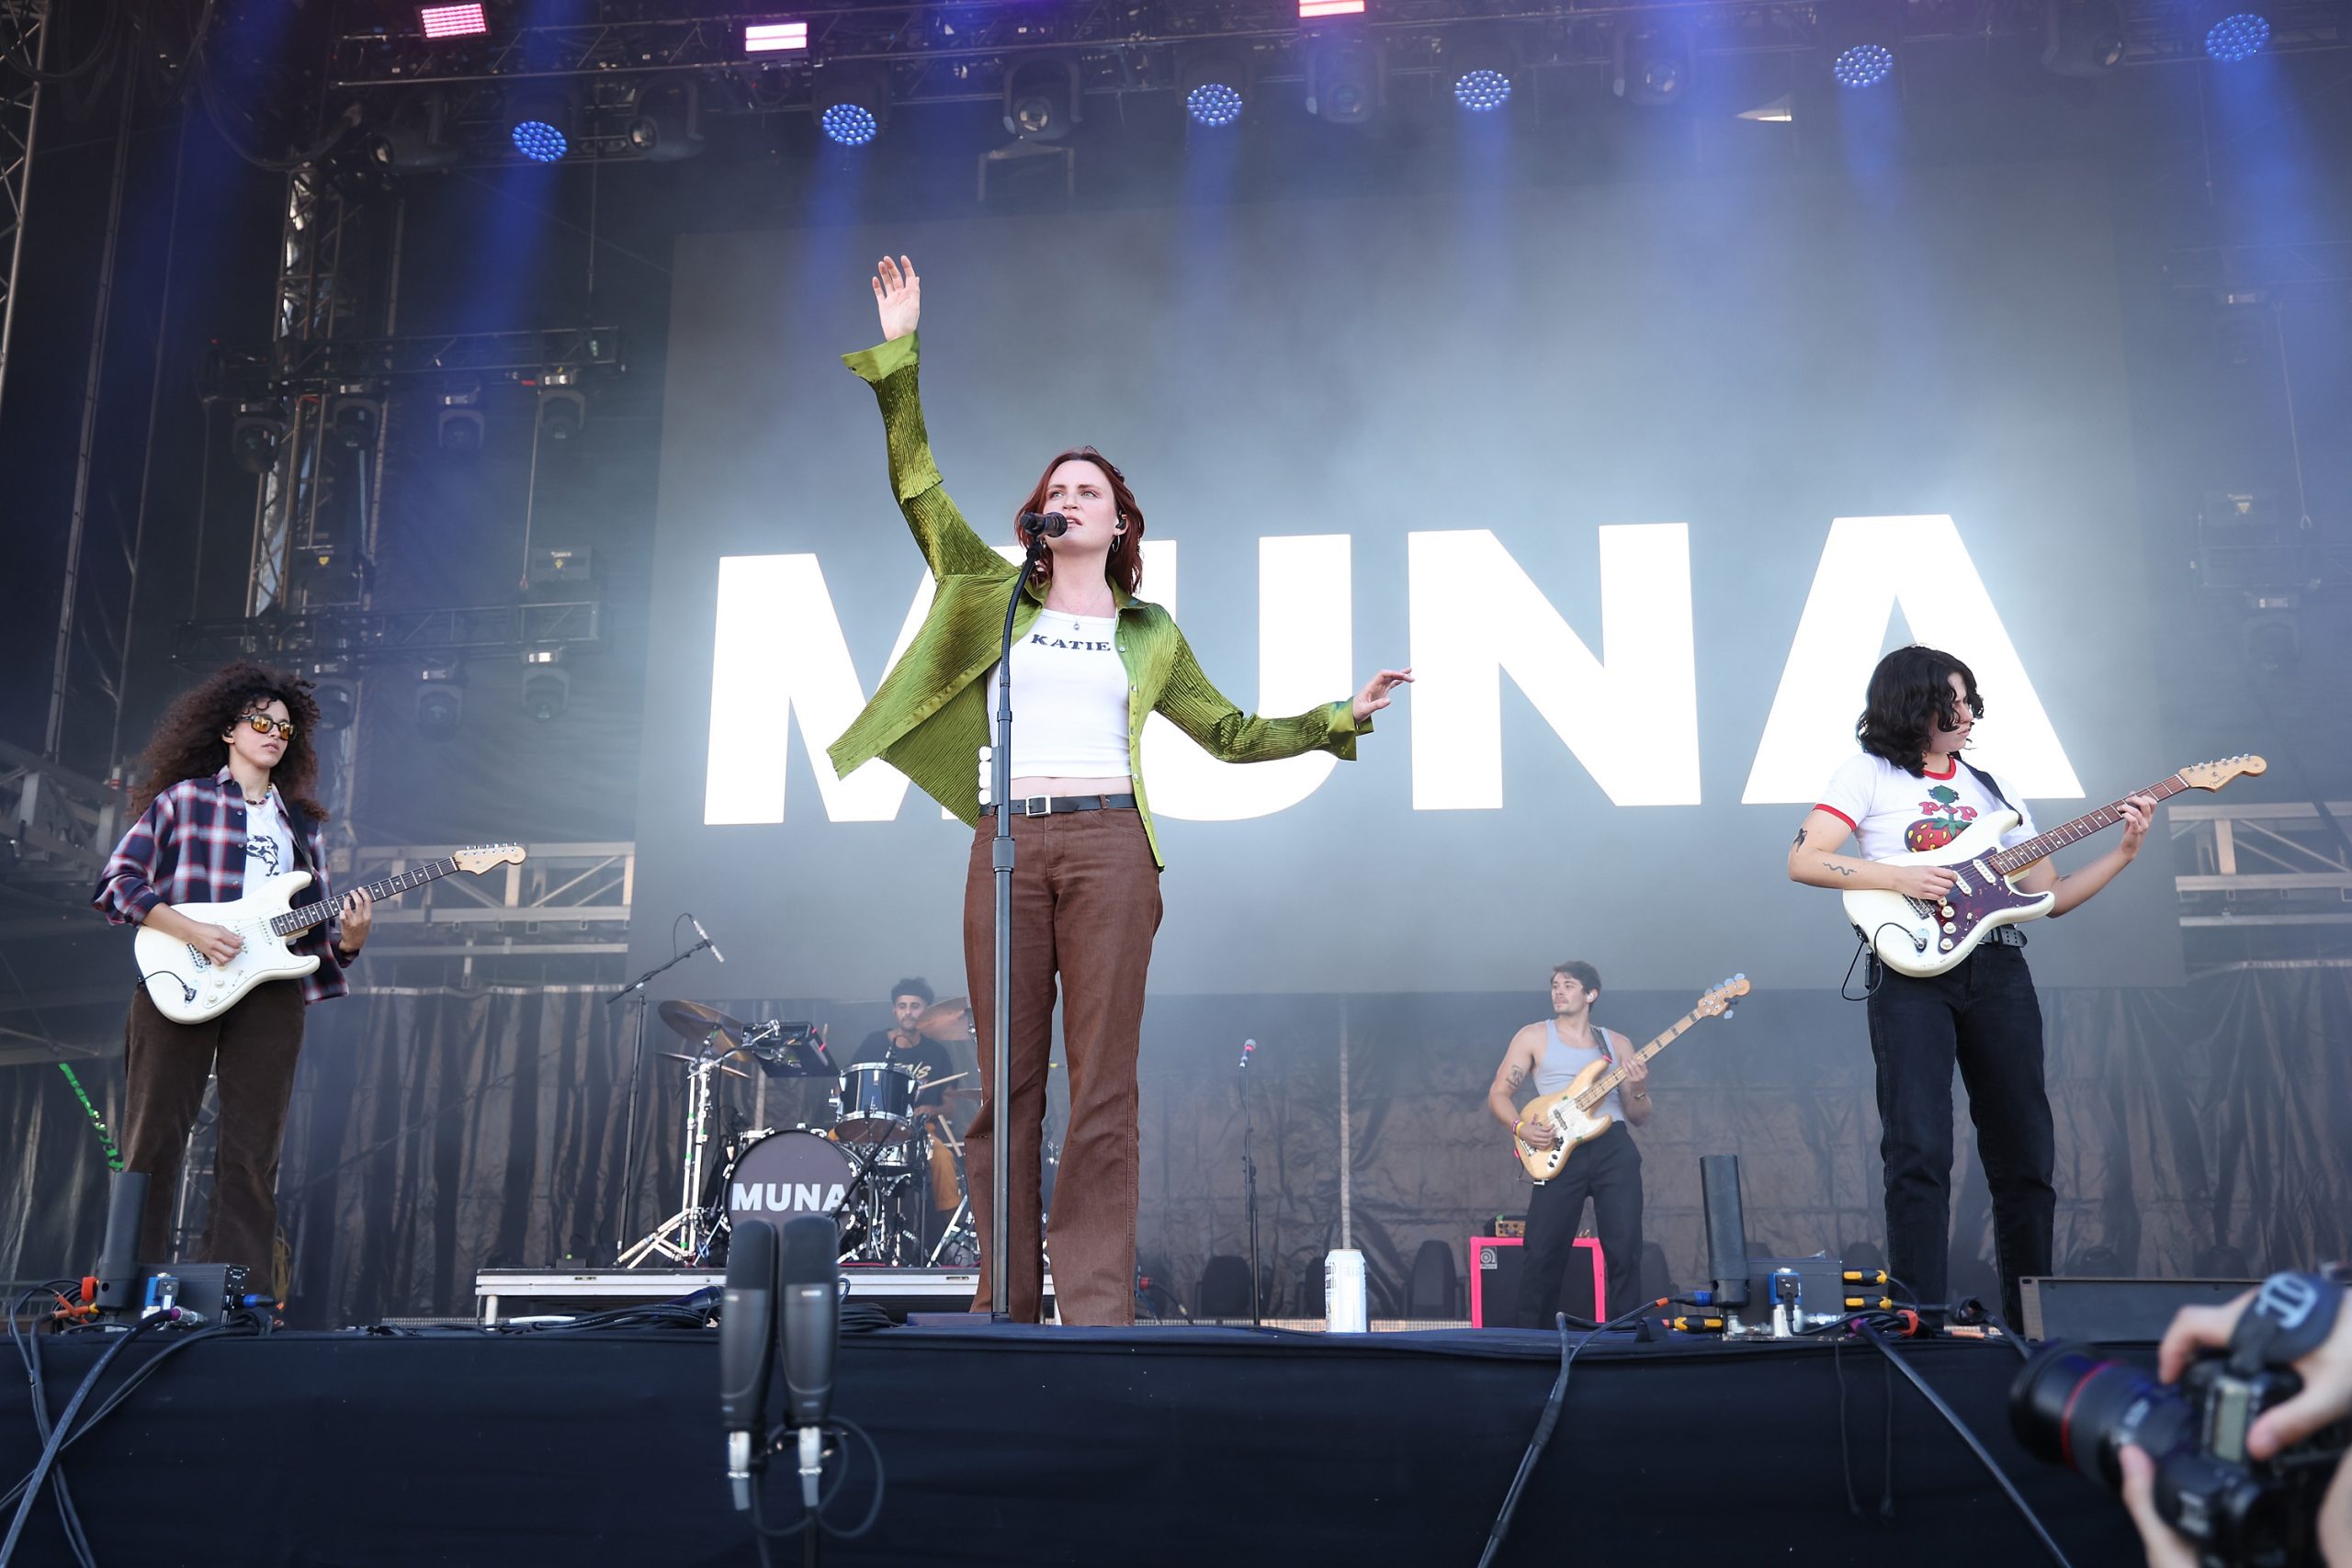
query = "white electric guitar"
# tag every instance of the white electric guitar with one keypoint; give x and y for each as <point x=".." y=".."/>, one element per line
<point x="188" y="987"/>
<point x="1574" y="1113"/>
<point x="1913" y="936"/>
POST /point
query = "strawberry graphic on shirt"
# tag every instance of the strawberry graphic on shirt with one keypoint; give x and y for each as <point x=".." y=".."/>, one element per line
<point x="1945" y="819"/>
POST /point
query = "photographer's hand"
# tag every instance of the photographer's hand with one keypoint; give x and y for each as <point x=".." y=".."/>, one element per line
<point x="2326" y="1396"/>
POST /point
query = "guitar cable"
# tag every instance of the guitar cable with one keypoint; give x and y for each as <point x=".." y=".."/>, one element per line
<point x="1877" y="971"/>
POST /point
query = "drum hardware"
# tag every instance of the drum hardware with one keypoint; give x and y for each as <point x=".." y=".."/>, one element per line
<point x="684" y="1236"/>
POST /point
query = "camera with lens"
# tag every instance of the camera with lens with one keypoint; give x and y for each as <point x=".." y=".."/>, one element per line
<point x="2080" y="1411"/>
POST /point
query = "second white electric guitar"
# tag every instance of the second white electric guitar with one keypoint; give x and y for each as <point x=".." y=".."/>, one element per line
<point x="188" y="987"/>
<point x="1919" y="937"/>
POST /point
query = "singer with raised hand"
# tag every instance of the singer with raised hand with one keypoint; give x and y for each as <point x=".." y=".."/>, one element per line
<point x="1091" y="662"/>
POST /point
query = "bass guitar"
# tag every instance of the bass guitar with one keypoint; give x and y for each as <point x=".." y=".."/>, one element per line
<point x="188" y="987"/>
<point x="1571" y="1114"/>
<point x="1916" y="936"/>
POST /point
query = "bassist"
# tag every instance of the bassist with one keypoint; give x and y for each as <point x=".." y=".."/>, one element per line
<point x="1607" y="1169"/>
<point x="224" y="793"/>
<point x="1911" y="790"/>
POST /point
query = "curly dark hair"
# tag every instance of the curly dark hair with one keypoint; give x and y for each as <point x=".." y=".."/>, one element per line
<point x="1910" y="695"/>
<point x="187" y="743"/>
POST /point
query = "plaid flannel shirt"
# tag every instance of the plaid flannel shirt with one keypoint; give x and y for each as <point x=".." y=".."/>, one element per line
<point x="189" y="847"/>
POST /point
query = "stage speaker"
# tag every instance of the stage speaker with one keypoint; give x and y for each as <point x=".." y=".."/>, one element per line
<point x="1495" y="1265"/>
<point x="1429" y="1290"/>
<point x="2116" y="1312"/>
<point x="1726" y="1229"/>
<point x="1225" y="1288"/>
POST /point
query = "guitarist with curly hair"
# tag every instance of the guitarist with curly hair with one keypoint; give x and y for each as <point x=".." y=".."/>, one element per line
<point x="1607" y="1168"/>
<point x="224" y="795"/>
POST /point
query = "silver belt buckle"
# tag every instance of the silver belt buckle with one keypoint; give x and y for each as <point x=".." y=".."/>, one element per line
<point x="1038" y="805"/>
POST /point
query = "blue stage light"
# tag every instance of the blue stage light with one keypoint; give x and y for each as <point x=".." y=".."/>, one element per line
<point x="1481" y="90"/>
<point x="1864" y="66"/>
<point x="540" y="141"/>
<point x="852" y="125"/>
<point x="1214" y="104"/>
<point x="2239" y="36"/>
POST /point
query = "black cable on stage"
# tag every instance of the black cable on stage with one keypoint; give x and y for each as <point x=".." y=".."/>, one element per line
<point x="28" y="1351"/>
<point x="813" y="1522"/>
<point x="57" y="1439"/>
<point x="2017" y="1499"/>
<point x="1545" y="1423"/>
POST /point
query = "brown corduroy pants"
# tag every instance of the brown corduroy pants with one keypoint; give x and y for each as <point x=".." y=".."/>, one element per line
<point x="1085" y="908"/>
<point x="251" y="1049"/>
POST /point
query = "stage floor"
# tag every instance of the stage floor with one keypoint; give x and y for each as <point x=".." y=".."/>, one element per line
<point x="1025" y="1446"/>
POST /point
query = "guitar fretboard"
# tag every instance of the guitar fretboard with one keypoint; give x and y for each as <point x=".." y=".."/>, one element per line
<point x="1614" y="1076"/>
<point x="2016" y="857"/>
<point x="303" y="916"/>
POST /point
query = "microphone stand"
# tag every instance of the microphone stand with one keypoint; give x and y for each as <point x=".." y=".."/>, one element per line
<point x="635" y="1068"/>
<point x="1001" y="851"/>
<point x="1250" y="1191"/>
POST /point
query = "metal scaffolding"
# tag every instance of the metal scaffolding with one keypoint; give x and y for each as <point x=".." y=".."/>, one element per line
<point x="27" y="21"/>
<point x="2262" y="864"/>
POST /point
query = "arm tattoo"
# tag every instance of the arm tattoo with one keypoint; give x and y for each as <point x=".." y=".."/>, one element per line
<point x="1800" y="843"/>
<point x="1515" y="1074"/>
<point x="1840" y="870"/>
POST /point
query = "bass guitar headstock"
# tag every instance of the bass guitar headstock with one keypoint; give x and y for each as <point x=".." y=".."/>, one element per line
<point x="1717" y="1003"/>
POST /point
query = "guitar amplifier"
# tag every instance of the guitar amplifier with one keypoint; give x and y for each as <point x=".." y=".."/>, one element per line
<point x="1495" y="1265"/>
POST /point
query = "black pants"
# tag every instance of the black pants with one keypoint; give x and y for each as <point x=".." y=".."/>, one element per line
<point x="1984" y="1016"/>
<point x="1609" y="1171"/>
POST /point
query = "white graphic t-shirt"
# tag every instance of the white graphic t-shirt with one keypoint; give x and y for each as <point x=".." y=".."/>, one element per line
<point x="269" y="842"/>
<point x="1892" y="812"/>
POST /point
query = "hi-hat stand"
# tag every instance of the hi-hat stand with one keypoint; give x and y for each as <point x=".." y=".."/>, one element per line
<point x="684" y="1236"/>
<point x="636" y="989"/>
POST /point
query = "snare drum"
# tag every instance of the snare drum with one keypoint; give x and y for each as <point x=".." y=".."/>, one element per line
<point x="877" y="1103"/>
<point x="780" y="1175"/>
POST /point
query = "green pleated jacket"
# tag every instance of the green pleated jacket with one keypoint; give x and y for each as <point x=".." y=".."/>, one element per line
<point x="929" y="718"/>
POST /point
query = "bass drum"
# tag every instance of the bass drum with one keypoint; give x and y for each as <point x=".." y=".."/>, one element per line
<point x="781" y="1175"/>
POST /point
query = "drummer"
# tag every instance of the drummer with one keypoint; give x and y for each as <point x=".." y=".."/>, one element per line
<point x="904" y="1043"/>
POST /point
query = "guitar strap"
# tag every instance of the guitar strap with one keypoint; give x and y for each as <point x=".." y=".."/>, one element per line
<point x="1986" y="780"/>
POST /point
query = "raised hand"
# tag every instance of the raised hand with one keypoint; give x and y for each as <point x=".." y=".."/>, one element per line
<point x="1375" y="695"/>
<point x="898" y="294"/>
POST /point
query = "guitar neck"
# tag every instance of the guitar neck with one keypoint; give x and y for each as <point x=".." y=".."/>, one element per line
<point x="1601" y="1087"/>
<point x="2018" y="857"/>
<point x="303" y="916"/>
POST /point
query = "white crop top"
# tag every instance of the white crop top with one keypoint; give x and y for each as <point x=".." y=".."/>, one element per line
<point x="1069" y="699"/>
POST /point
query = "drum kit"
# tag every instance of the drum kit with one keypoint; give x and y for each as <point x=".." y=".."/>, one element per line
<point x="877" y="1165"/>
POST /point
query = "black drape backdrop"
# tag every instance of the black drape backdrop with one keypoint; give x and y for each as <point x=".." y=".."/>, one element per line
<point x="434" y="1132"/>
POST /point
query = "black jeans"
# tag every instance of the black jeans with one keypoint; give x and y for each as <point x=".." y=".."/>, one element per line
<point x="1608" y="1170"/>
<point x="1984" y="1016"/>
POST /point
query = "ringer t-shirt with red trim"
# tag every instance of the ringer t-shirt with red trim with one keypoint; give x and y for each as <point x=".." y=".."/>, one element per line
<point x="1892" y="812"/>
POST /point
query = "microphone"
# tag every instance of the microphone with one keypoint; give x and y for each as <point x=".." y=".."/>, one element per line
<point x="1049" y="524"/>
<point x="747" y="1352"/>
<point x="706" y="938"/>
<point x="812" y="1326"/>
<point x="1248" y="1048"/>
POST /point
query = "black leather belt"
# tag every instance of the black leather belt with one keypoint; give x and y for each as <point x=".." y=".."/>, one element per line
<point x="1055" y="805"/>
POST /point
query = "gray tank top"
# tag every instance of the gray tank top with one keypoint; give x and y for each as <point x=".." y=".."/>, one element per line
<point x="1561" y="1062"/>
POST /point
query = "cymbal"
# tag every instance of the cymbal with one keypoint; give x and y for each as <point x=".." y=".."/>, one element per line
<point x="692" y="1020"/>
<point x="949" y="1019"/>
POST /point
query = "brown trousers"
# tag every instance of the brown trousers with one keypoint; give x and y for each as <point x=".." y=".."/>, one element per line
<point x="251" y="1049"/>
<point x="1085" y="908"/>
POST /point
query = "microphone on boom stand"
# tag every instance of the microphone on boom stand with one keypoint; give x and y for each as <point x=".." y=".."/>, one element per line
<point x="1049" y="524"/>
<point x="706" y="938"/>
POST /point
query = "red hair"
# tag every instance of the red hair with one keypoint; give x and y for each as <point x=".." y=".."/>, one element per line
<point x="1124" y="566"/>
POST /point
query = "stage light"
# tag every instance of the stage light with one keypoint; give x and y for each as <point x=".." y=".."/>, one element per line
<point x="2237" y="37"/>
<point x="416" y="138"/>
<point x="1480" y="67"/>
<point x="1214" y="84"/>
<point x="547" y="686"/>
<point x="1310" y="9"/>
<point x="851" y="104"/>
<point x="1343" y="80"/>
<point x="440" y="700"/>
<point x="667" y="121"/>
<point x="459" y="427"/>
<point x="537" y="124"/>
<point x="1653" y="63"/>
<point x="256" y="434"/>
<point x="358" y="164"/>
<point x="357" y="418"/>
<point x="563" y="408"/>
<point x="1042" y="101"/>
<point x="1863" y="65"/>
<point x="451" y="21"/>
<point x="770" y="37"/>
<point x="338" y="699"/>
<point x="2082" y="37"/>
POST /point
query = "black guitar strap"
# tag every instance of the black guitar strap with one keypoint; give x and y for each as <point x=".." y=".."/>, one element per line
<point x="1986" y="780"/>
